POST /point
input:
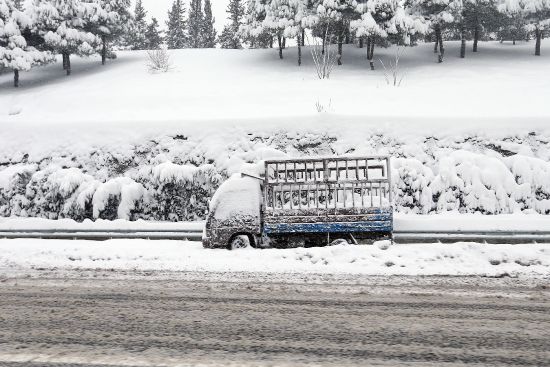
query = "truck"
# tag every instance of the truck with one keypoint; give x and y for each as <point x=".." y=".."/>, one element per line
<point x="303" y="203"/>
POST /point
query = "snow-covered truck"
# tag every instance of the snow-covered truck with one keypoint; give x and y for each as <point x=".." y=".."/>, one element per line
<point x="303" y="202"/>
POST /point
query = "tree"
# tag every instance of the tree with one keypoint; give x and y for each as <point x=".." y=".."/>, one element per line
<point x="136" y="39"/>
<point x="253" y="30"/>
<point x="153" y="35"/>
<point x="111" y="22"/>
<point x="386" y="21"/>
<point x="15" y="52"/>
<point x="536" y="14"/>
<point x="285" y="18"/>
<point x="195" y="24"/>
<point x="336" y="17"/>
<point x="230" y="37"/>
<point x="208" y="28"/>
<point x="439" y="15"/>
<point x="176" y="36"/>
<point x="63" y="26"/>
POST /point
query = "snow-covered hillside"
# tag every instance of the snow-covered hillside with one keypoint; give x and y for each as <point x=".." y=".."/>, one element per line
<point x="500" y="81"/>
<point x="118" y="142"/>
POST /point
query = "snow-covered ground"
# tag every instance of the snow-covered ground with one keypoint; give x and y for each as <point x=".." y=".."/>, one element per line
<point x="449" y="222"/>
<point x="500" y="81"/>
<point x="379" y="259"/>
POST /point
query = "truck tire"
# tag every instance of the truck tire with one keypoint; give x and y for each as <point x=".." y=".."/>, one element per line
<point x="239" y="242"/>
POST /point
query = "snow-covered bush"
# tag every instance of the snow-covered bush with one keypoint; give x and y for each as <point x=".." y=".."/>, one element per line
<point x="172" y="178"/>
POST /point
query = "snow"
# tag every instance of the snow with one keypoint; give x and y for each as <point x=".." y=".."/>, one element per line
<point x="238" y="196"/>
<point x="245" y="85"/>
<point x="417" y="259"/>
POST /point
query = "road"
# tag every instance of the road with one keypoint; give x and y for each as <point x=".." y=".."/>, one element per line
<point x="100" y="320"/>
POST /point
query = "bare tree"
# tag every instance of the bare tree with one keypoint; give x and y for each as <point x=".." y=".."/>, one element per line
<point x="159" y="61"/>
<point x="392" y="73"/>
<point x="324" y="57"/>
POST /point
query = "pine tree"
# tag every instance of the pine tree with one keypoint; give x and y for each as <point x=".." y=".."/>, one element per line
<point x="230" y="37"/>
<point x="285" y="17"/>
<point x="254" y="31"/>
<point x="536" y="14"/>
<point x="208" y="28"/>
<point x="176" y="36"/>
<point x="63" y="26"/>
<point x="110" y="23"/>
<point x="153" y="35"/>
<point x="136" y="39"/>
<point x="15" y="52"/>
<point x="195" y="24"/>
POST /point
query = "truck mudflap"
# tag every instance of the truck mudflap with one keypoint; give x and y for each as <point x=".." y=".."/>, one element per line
<point x="329" y="227"/>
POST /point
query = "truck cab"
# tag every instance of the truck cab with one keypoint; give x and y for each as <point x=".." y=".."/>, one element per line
<point x="303" y="202"/>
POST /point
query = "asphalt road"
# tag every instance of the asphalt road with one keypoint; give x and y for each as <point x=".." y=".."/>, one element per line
<point x="145" y="321"/>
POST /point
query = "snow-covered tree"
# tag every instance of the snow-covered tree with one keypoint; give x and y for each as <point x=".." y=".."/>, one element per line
<point x="253" y="30"/>
<point x="136" y="37"/>
<point x="536" y="14"/>
<point x="231" y="37"/>
<point x="208" y="29"/>
<point x="153" y="35"/>
<point x="439" y="15"/>
<point x="63" y="24"/>
<point x="284" y="18"/>
<point x="15" y="53"/>
<point x="19" y="4"/>
<point x="176" y="35"/>
<point x="387" y="21"/>
<point x="110" y="22"/>
<point x="195" y="24"/>
<point x="336" y="16"/>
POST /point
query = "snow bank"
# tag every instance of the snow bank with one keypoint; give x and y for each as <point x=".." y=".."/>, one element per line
<point x="418" y="259"/>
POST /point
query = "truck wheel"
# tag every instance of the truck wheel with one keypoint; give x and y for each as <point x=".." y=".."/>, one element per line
<point x="239" y="242"/>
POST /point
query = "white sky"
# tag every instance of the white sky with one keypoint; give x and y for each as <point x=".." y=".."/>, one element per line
<point x="159" y="9"/>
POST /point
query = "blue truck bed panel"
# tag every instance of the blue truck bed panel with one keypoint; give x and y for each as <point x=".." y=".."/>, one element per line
<point x="329" y="227"/>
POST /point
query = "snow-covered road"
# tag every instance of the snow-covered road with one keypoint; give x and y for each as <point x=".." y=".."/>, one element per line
<point x="380" y="259"/>
<point x="388" y="321"/>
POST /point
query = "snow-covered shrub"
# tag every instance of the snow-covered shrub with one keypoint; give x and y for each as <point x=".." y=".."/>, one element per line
<point x="535" y="173"/>
<point x="472" y="182"/>
<point x="13" y="184"/>
<point x="180" y="192"/>
<point x="172" y="178"/>
<point x="117" y="199"/>
<point x="59" y="193"/>
<point x="411" y="185"/>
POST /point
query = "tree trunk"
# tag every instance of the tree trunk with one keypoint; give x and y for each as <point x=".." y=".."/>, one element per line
<point x="299" y="50"/>
<point x="16" y="78"/>
<point x="64" y="60"/>
<point x="436" y="42"/>
<point x="476" y="38"/>
<point x="103" y="50"/>
<point x="303" y="37"/>
<point x="513" y="42"/>
<point x="371" y="62"/>
<point x="280" y="43"/>
<point x="439" y="41"/>
<point x="538" y="35"/>
<point x="361" y="42"/>
<point x="462" y="41"/>
<point x="68" y="64"/>
<point x="324" y="44"/>
<point x="340" y="47"/>
<point x="284" y="43"/>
